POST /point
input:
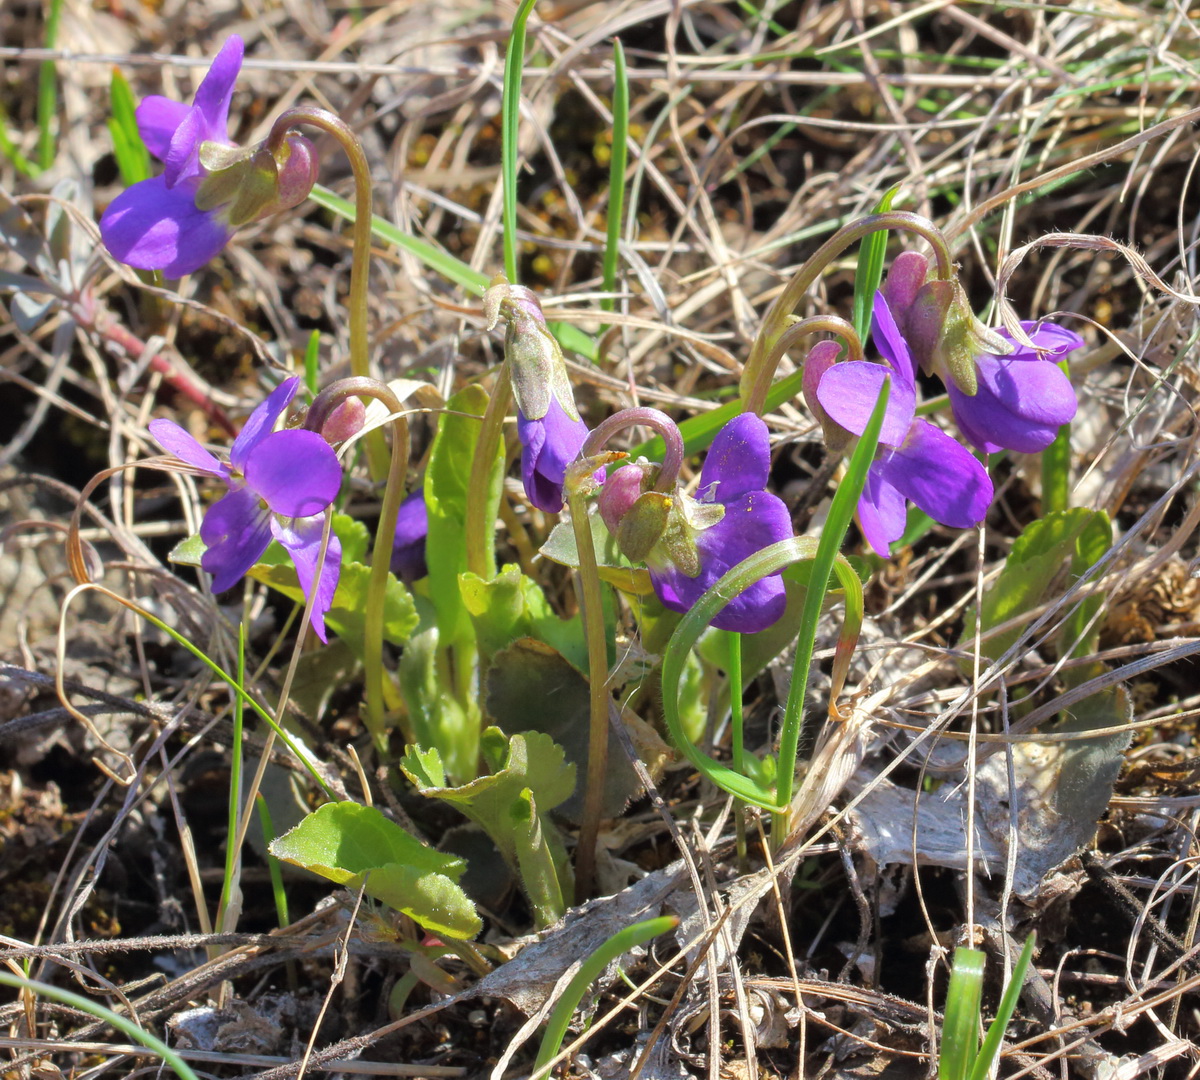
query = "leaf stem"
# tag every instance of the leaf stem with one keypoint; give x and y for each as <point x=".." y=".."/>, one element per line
<point x="481" y="550"/>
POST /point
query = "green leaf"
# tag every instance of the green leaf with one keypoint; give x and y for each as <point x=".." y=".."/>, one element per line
<point x="513" y="606"/>
<point x="446" y="501"/>
<point x="355" y="845"/>
<point x="530" y="672"/>
<point x="1008" y="1004"/>
<point x="613" y="566"/>
<point x="133" y="159"/>
<point x="1045" y="559"/>
<point x="437" y="717"/>
<point x="510" y="805"/>
<point x="189" y="551"/>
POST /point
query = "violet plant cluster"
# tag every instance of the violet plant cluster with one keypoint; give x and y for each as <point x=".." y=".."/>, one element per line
<point x="1003" y="393"/>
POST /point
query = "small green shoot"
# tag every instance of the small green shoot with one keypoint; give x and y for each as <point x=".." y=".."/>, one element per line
<point x="962" y="1057"/>
<point x="47" y="100"/>
<point x="588" y="973"/>
<point x="869" y="272"/>
<point x="133" y="159"/>
<point x="312" y="357"/>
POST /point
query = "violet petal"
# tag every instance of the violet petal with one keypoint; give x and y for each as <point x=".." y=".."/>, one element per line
<point x="215" y="91"/>
<point x="891" y="343"/>
<point x="751" y="523"/>
<point x="1020" y="404"/>
<point x="296" y="473"/>
<point x="236" y="530"/>
<point x="174" y="440"/>
<point x="1052" y="340"/>
<point x="940" y="475"/>
<point x="158" y="118"/>
<point x="153" y="227"/>
<point x="182" y="159"/>
<point x="302" y="538"/>
<point x="262" y="420"/>
<point x="738" y="461"/>
<point x="882" y="513"/>
<point x="548" y="446"/>
<point x="848" y="393"/>
<point x="412" y="529"/>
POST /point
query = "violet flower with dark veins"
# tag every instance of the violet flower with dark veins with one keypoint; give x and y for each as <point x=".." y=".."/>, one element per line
<point x="1023" y="398"/>
<point x="548" y="445"/>
<point x="280" y="484"/>
<point x="916" y="461"/>
<point x="209" y="187"/>
<point x="695" y="541"/>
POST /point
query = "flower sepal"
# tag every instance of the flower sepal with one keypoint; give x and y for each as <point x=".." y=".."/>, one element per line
<point x="245" y="185"/>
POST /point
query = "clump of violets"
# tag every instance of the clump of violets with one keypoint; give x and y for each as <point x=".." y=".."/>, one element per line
<point x="688" y="543"/>
<point x="279" y="486"/>
<point x="1004" y="394"/>
<point x="916" y="461"/>
<point x="209" y="187"/>
<point x="548" y="424"/>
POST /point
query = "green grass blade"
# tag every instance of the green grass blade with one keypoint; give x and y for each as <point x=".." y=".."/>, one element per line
<point x="93" y="1008"/>
<point x="232" y="860"/>
<point x="616" y="173"/>
<point x="588" y="973"/>
<point x="9" y="149"/>
<point x="510" y="112"/>
<point x="960" y="1031"/>
<point x="1008" y="1005"/>
<point x="841" y="512"/>
<point x="1056" y="468"/>
<point x="277" y="889"/>
<point x="444" y="263"/>
<point x="312" y="356"/>
<point x="133" y="159"/>
<point x="869" y="272"/>
<point x="47" y="99"/>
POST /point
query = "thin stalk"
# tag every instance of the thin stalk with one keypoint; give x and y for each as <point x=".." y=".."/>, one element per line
<point x="510" y="112"/>
<point x="481" y="550"/>
<point x="1056" y="468"/>
<point x="656" y="420"/>
<point x="381" y="555"/>
<point x="616" y="176"/>
<point x="736" y="722"/>
<point x="360" y="266"/>
<point x="115" y="1020"/>
<point x="587" y="582"/>
<point x="776" y="320"/>
<point x="233" y="853"/>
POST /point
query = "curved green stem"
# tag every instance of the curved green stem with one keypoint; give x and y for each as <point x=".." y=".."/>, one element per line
<point x="756" y="399"/>
<point x="775" y="322"/>
<point x="360" y="268"/>
<point x="591" y="609"/>
<point x="481" y="551"/>
<point x="654" y="419"/>
<point x="381" y="555"/>
<point x="589" y="971"/>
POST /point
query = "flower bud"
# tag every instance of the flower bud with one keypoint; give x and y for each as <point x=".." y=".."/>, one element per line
<point x="820" y="359"/>
<point x="298" y="166"/>
<point x="345" y="421"/>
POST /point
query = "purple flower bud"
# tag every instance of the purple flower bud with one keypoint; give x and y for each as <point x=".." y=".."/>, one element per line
<point x="298" y="168"/>
<point x="548" y="446"/>
<point x="345" y="421"/>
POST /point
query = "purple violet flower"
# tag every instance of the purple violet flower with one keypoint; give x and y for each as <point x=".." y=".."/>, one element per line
<point x="548" y="446"/>
<point x="1022" y="398"/>
<point x="209" y="187"/>
<point x="280" y="483"/>
<point x="917" y="462"/>
<point x="412" y="529"/>
<point x="747" y="519"/>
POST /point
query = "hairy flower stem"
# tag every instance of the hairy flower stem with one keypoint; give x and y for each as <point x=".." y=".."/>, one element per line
<point x="360" y="267"/>
<point x="381" y="555"/>
<point x="660" y="423"/>
<point x="591" y="608"/>
<point x="756" y="400"/>
<point x="481" y="550"/>
<point x="758" y="372"/>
